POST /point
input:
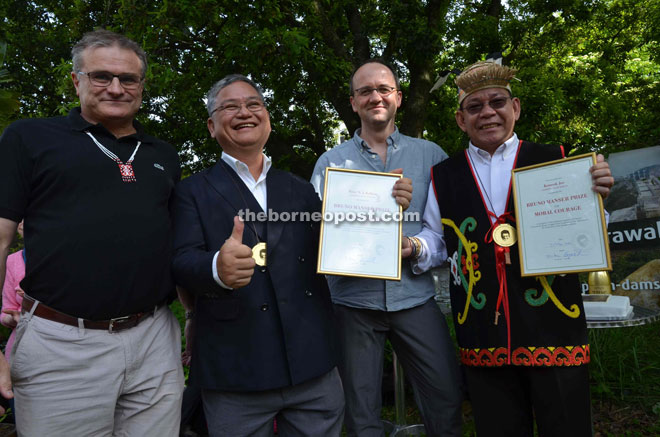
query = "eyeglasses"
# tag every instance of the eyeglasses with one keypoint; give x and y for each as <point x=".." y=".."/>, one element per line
<point x="233" y="108"/>
<point x="383" y="90"/>
<point x="496" y="103"/>
<point x="105" y="78"/>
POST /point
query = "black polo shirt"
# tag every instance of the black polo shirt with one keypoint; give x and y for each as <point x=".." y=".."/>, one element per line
<point x="96" y="247"/>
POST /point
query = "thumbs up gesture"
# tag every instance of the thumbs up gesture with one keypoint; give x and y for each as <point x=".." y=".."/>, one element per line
<point x="234" y="263"/>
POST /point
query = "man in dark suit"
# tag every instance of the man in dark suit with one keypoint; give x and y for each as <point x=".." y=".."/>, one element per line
<point x="264" y="344"/>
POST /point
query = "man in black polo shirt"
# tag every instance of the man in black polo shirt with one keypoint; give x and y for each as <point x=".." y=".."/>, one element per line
<point x="96" y="349"/>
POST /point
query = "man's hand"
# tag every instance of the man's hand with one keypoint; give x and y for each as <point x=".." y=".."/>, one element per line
<point x="406" y="247"/>
<point x="235" y="264"/>
<point x="5" y="381"/>
<point x="601" y="176"/>
<point x="10" y="318"/>
<point x="186" y="355"/>
<point x="402" y="190"/>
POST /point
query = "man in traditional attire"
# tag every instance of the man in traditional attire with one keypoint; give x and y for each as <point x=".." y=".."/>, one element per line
<point x="523" y="341"/>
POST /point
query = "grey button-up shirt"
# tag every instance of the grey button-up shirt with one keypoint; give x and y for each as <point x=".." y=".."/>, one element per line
<point x="416" y="157"/>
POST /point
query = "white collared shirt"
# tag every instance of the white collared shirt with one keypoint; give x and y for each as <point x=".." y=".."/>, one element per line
<point x="494" y="175"/>
<point x="256" y="187"/>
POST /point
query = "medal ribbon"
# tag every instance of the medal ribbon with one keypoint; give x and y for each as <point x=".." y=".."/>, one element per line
<point x="500" y="268"/>
<point x="500" y="252"/>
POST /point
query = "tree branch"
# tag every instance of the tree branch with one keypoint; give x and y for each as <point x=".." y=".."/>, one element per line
<point x="422" y="69"/>
<point x="361" y="48"/>
<point x="329" y="35"/>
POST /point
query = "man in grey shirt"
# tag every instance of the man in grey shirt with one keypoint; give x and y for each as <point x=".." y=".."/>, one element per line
<point x="369" y="311"/>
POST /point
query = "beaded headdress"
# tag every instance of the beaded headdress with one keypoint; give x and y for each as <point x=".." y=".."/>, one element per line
<point x="482" y="75"/>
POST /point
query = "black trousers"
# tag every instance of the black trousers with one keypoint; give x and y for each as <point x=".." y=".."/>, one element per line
<point x="506" y="400"/>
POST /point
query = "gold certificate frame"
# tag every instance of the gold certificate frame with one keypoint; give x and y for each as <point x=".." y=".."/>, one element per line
<point x="560" y="220"/>
<point x="361" y="226"/>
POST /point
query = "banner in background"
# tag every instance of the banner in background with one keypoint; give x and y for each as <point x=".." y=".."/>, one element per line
<point x="634" y="226"/>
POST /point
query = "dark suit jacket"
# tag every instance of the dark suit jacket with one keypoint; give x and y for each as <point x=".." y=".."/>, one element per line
<point x="278" y="330"/>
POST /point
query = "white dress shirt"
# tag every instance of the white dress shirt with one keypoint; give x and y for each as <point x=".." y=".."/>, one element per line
<point x="494" y="177"/>
<point x="257" y="188"/>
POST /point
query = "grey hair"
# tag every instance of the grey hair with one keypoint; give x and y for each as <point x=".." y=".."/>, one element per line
<point x="225" y="82"/>
<point x="105" y="38"/>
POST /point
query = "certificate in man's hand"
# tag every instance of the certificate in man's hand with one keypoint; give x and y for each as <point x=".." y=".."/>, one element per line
<point x="361" y="228"/>
<point x="560" y="219"/>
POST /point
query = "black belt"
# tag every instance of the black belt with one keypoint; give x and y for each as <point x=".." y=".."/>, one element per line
<point x="111" y="325"/>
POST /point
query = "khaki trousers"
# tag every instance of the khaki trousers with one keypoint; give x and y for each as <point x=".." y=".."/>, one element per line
<point x="71" y="381"/>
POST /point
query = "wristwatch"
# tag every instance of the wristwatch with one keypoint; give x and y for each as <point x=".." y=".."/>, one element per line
<point x="190" y="315"/>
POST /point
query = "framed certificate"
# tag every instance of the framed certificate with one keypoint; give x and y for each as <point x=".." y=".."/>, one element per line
<point x="361" y="227"/>
<point x="560" y="220"/>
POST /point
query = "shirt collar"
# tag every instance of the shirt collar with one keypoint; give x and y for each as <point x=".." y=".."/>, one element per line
<point x="78" y="123"/>
<point x="240" y="166"/>
<point x="502" y="152"/>
<point x="392" y="139"/>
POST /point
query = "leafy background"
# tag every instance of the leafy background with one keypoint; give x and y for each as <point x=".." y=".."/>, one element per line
<point x="588" y="70"/>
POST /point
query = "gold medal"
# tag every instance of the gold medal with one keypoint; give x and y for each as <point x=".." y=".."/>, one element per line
<point x="259" y="253"/>
<point x="504" y="235"/>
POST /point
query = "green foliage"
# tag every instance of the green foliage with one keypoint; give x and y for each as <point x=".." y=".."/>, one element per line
<point x="588" y="70"/>
<point x="588" y="76"/>
<point x="17" y="244"/>
<point x="9" y="103"/>
<point x="5" y="415"/>
<point x="180" y="314"/>
<point x="625" y="366"/>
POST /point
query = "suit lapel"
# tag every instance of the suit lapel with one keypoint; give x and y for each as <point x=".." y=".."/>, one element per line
<point x="278" y="189"/>
<point x="278" y="195"/>
<point x="229" y="185"/>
